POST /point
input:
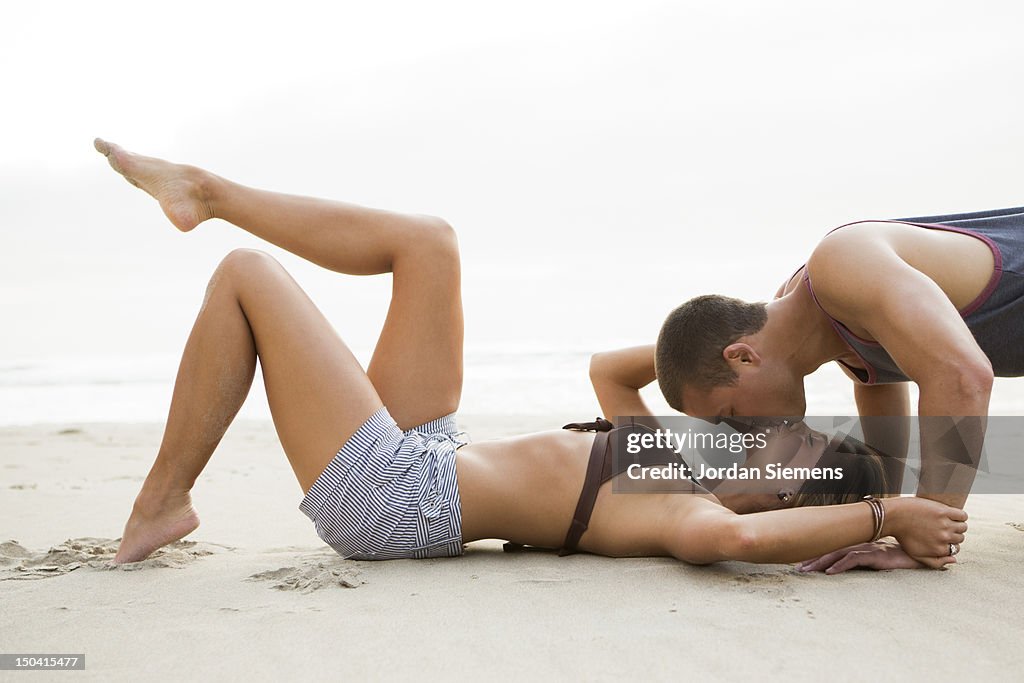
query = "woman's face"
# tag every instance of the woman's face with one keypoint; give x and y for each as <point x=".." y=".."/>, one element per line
<point x="792" y="445"/>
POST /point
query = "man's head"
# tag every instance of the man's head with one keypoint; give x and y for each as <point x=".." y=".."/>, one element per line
<point x="712" y="362"/>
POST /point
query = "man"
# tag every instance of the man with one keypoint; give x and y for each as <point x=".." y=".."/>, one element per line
<point x="936" y="300"/>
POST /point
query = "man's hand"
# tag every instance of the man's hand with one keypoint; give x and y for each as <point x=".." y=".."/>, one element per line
<point x="877" y="555"/>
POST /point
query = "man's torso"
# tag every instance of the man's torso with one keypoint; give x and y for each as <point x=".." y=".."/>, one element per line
<point x="974" y="259"/>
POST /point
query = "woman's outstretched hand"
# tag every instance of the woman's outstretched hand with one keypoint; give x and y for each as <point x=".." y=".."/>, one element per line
<point x="877" y="555"/>
<point x="925" y="531"/>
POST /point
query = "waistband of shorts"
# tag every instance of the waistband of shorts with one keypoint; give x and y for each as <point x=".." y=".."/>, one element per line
<point x="441" y="425"/>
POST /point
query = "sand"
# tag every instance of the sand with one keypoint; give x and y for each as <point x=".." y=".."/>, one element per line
<point x="254" y="594"/>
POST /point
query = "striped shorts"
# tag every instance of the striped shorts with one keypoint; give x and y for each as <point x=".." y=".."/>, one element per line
<point x="390" y="494"/>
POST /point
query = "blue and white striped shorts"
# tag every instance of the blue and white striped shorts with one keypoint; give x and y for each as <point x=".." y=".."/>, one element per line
<point x="390" y="494"/>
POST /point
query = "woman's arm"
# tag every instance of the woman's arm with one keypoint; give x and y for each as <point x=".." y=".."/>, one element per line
<point x="711" y="533"/>
<point x="618" y="376"/>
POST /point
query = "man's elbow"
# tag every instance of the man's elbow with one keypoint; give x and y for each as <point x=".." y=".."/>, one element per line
<point x="974" y="380"/>
<point x="978" y="379"/>
<point x="966" y="382"/>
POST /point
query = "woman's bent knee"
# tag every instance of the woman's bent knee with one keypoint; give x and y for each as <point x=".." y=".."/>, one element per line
<point x="238" y="267"/>
<point x="436" y="240"/>
<point x="245" y="260"/>
<point x="446" y="236"/>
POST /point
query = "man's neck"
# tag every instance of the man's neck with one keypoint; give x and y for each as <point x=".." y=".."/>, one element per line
<point x="800" y="334"/>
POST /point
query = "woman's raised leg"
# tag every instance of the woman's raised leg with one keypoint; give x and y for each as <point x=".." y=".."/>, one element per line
<point x="417" y="365"/>
<point x="318" y="393"/>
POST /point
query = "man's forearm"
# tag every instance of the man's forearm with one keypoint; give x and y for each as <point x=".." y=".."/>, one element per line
<point x="952" y="435"/>
<point x="632" y="367"/>
<point x="618" y="376"/>
<point x="884" y="416"/>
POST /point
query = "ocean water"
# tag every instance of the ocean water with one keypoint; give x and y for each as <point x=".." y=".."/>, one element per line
<point x="137" y="388"/>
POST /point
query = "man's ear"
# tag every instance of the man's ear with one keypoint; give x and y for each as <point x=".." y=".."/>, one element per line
<point x="739" y="353"/>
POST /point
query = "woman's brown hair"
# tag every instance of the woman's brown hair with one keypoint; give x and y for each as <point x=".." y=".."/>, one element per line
<point x="863" y="475"/>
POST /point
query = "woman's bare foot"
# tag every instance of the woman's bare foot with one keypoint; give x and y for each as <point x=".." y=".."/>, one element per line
<point x="179" y="189"/>
<point x="153" y="525"/>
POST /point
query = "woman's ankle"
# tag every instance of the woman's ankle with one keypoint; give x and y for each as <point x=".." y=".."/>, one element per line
<point x="155" y="498"/>
<point x="209" y="188"/>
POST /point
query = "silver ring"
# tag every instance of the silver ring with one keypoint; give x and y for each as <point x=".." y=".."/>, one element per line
<point x="954" y="548"/>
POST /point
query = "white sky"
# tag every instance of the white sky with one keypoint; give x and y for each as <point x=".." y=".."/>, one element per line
<point x="628" y="152"/>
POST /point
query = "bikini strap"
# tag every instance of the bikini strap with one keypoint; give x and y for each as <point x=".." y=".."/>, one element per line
<point x="598" y="425"/>
<point x="598" y="471"/>
<point x="599" y="467"/>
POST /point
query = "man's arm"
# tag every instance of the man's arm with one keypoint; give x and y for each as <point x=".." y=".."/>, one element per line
<point x="618" y="376"/>
<point x="867" y="285"/>
<point x="884" y="410"/>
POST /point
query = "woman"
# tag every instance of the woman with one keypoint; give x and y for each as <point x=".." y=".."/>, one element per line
<point x="383" y="469"/>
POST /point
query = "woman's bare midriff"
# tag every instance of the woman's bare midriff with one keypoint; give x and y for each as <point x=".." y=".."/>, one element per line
<point x="522" y="489"/>
<point x="525" y="489"/>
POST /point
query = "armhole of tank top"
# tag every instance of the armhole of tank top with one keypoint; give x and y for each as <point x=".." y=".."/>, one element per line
<point x="997" y="261"/>
<point x="782" y="290"/>
<point x="868" y="369"/>
<point x="856" y="372"/>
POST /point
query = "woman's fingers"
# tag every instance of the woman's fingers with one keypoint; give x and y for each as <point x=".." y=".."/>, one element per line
<point x="950" y="528"/>
<point x="936" y="562"/>
<point x="820" y="563"/>
<point x="857" y="558"/>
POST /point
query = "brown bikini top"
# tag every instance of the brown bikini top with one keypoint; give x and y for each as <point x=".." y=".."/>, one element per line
<point x="601" y="467"/>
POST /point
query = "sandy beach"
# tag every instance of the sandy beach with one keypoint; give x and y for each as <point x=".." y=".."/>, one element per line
<point x="253" y="593"/>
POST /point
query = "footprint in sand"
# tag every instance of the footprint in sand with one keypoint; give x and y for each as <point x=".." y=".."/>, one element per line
<point x="320" y="570"/>
<point x="11" y="553"/>
<point x="759" y="578"/>
<point x="766" y="584"/>
<point x="19" y="563"/>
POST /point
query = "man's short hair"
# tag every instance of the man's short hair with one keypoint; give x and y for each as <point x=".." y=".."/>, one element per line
<point x="690" y="345"/>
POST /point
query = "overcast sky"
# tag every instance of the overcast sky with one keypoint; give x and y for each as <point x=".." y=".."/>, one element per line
<point x="629" y="152"/>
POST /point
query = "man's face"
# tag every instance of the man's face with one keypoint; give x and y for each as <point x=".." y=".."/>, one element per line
<point x="756" y="393"/>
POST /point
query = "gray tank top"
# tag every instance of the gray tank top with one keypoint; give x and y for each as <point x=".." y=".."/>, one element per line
<point x="995" y="318"/>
